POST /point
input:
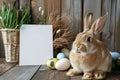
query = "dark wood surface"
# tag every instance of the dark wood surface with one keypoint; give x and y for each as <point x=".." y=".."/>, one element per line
<point x="44" y="73"/>
<point x="20" y="73"/>
<point x="77" y="10"/>
<point x="4" y="66"/>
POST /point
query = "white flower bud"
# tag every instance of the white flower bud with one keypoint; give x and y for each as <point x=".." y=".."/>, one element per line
<point x="42" y="13"/>
<point x="58" y="31"/>
<point x="0" y="17"/>
<point x="39" y="9"/>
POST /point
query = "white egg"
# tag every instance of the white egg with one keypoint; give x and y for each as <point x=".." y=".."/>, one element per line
<point x="62" y="64"/>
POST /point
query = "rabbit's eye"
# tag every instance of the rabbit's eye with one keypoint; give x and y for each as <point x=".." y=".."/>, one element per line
<point x="89" y="39"/>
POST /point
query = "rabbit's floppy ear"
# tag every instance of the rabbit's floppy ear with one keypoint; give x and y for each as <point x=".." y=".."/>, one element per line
<point x="99" y="24"/>
<point x="87" y="21"/>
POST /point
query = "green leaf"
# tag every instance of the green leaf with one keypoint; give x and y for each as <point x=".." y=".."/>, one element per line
<point x="11" y="17"/>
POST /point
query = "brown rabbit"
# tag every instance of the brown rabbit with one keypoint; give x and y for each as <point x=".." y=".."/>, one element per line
<point x="88" y="54"/>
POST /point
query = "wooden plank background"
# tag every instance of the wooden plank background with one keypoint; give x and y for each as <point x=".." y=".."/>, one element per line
<point x="74" y="9"/>
<point x="77" y="9"/>
<point x="117" y="40"/>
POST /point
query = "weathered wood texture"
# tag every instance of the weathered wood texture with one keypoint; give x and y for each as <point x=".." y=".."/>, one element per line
<point x="43" y="73"/>
<point x="1" y="41"/>
<point x="114" y="75"/>
<point x="74" y="9"/>
<point x="90" y="6"/>
<point x="47" y="5"/>
<point x="110" y="33"/>
<point x="2" y="51"/>
<point x="24" y="4"/>
<point x="20" y="73"/>
<point x="12" y="72"/>
<point x="77" y="9"/>
<point x="46" y="74"/>
<point x="5" y="66"/>
<point x="93" y="6"/>
<point x="117" y="29"/>
<point x="35" y="4"/>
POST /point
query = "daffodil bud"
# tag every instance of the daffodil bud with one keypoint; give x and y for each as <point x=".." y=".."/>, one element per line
<point x="39" y="9"/>
<point x="42" y="13"/>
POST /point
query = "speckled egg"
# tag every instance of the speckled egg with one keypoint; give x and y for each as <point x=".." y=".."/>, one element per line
<point x="61" y="55"/>
<point x="63" y="64"/>
<point x="51" y="63"/>
<point x="115" y="55"/>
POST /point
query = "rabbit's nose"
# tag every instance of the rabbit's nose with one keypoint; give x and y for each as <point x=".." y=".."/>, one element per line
<point x="83" y="48"/>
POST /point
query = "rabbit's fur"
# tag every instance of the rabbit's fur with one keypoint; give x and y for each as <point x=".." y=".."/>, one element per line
<point x="88" y="54"/>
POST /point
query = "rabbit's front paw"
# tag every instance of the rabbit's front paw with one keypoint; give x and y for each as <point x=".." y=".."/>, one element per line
<point x="99" y="75"/>
<point x="87" y="76"/>
<point x="72" y="72"/>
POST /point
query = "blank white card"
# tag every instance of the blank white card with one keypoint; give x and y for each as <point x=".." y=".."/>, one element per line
<point x="36" y="44"/>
